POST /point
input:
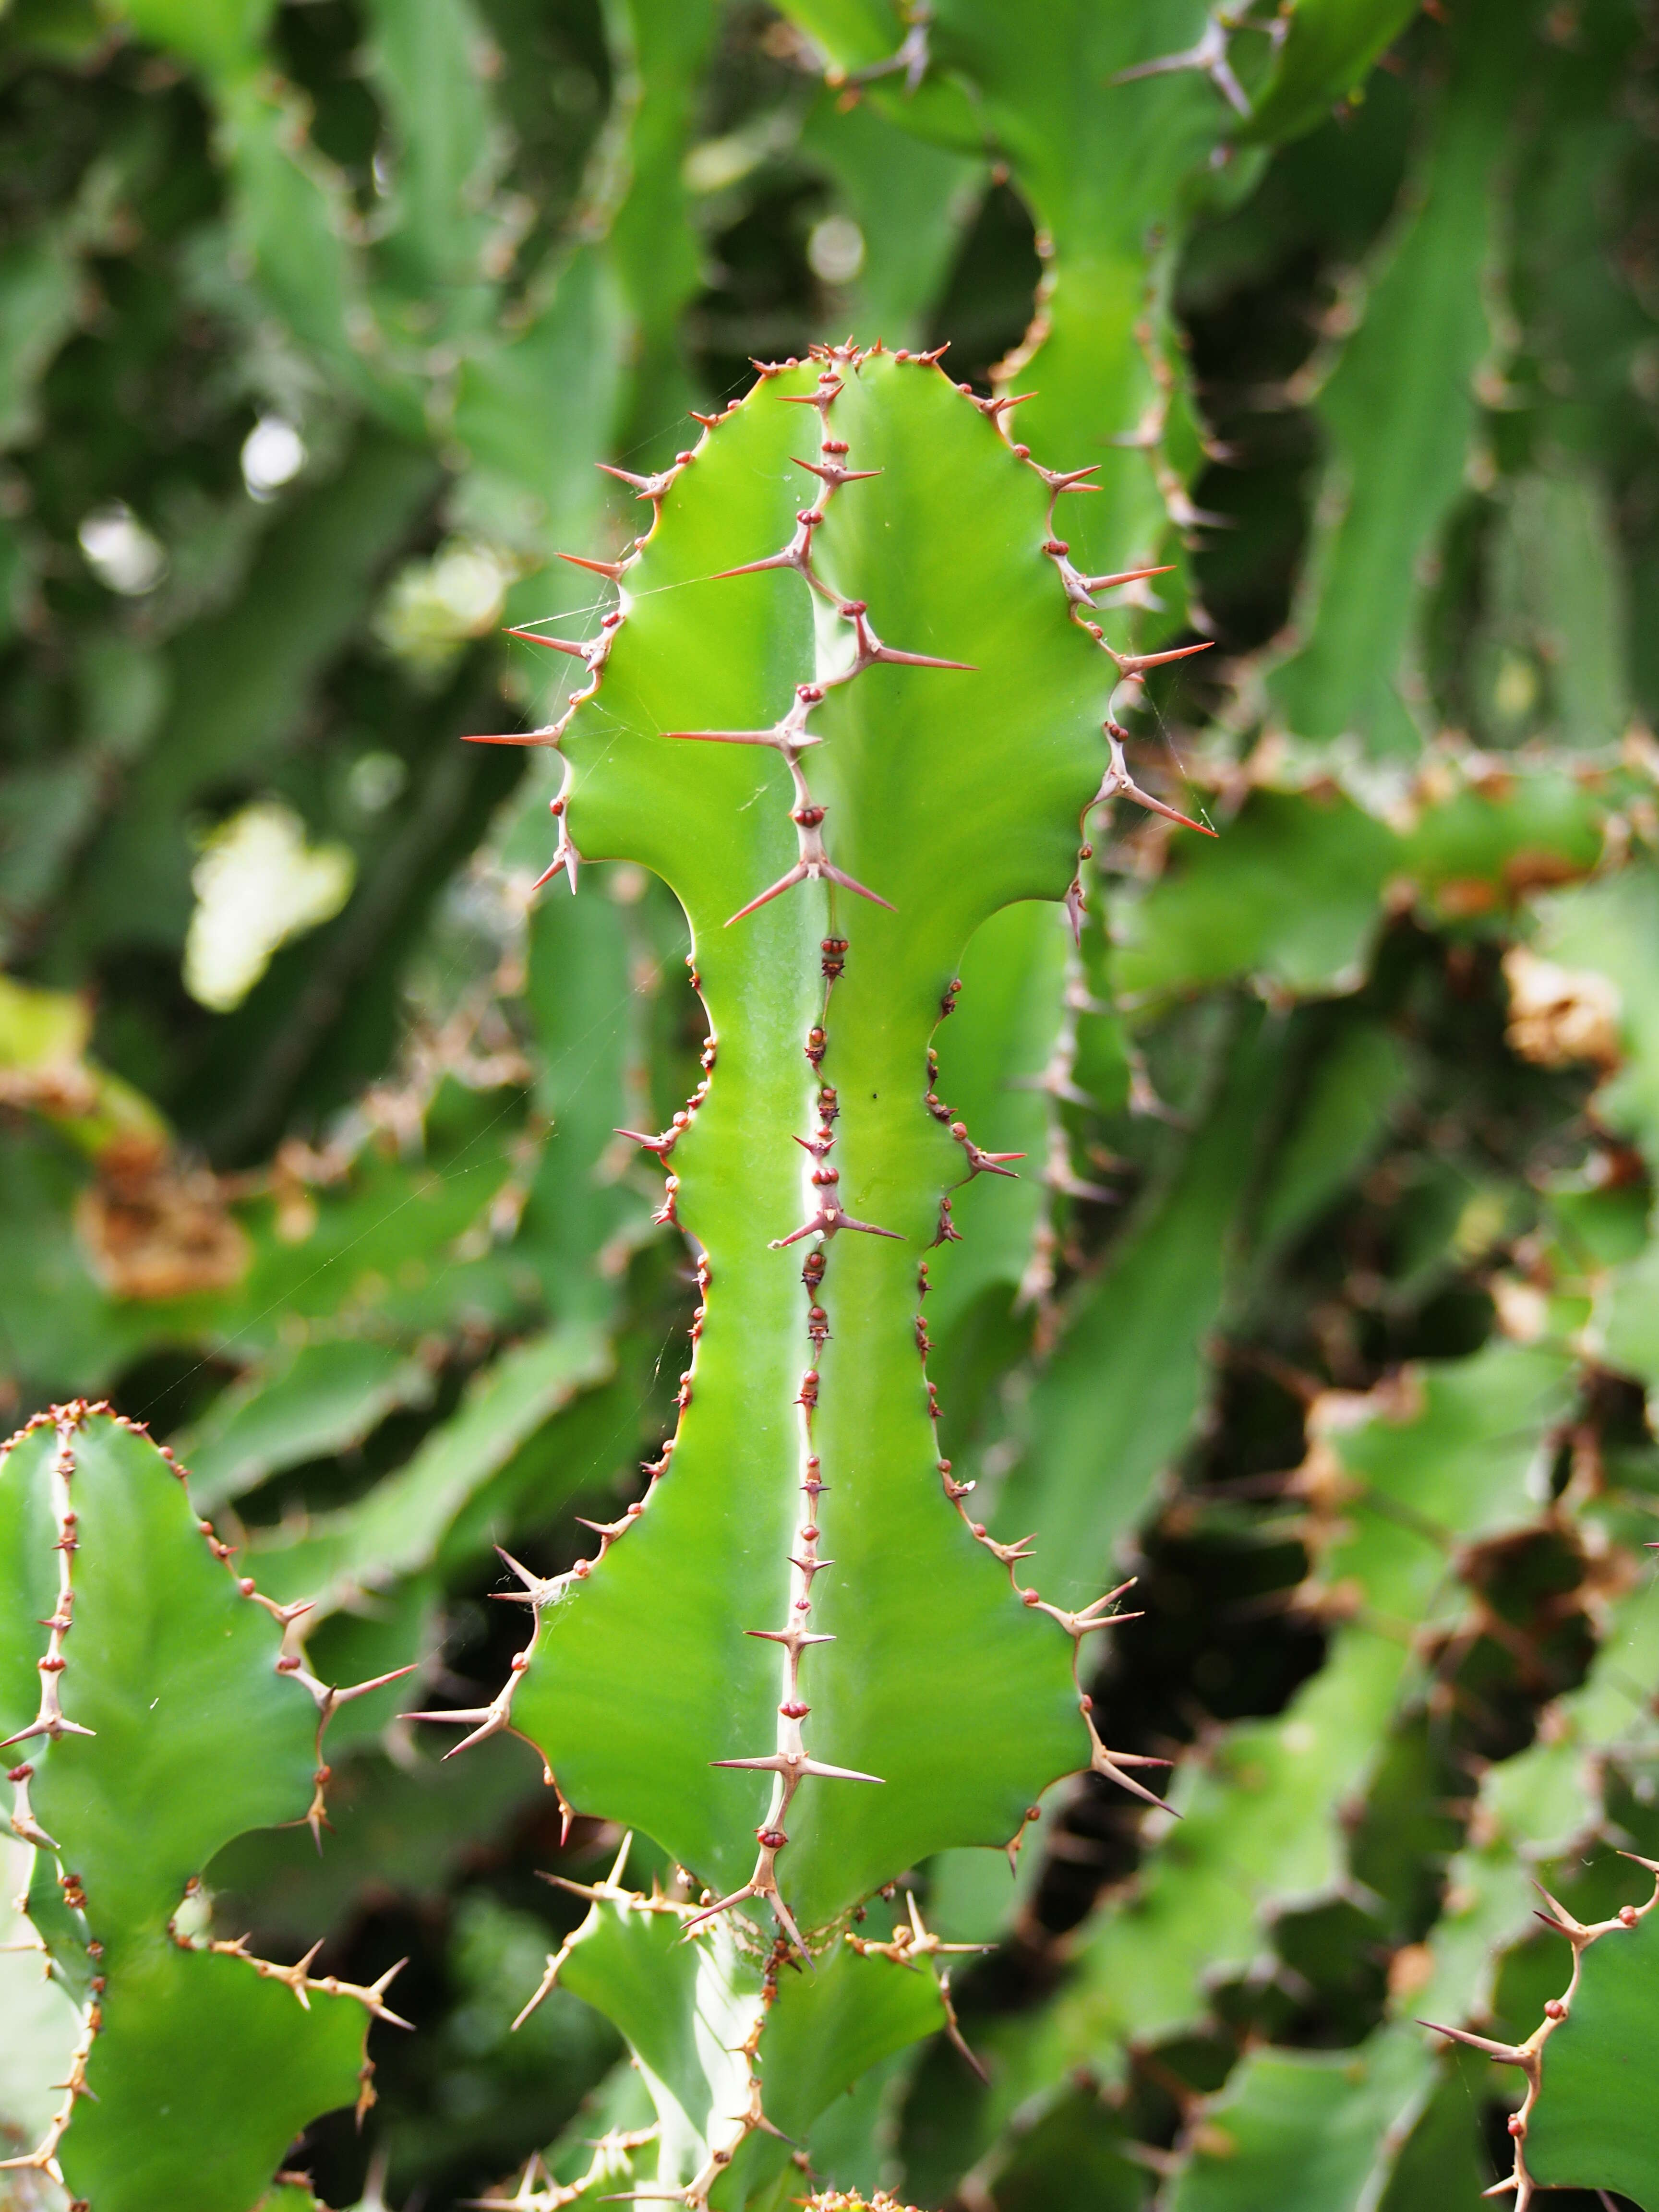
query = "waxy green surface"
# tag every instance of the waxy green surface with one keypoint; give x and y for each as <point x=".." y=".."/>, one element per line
<point x="201" y="2073"/>
<point x="951" y="794"/>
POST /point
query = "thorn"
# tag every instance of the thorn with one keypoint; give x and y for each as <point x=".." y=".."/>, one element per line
<point x="781" y="1762"/>
<point x="1131" y="576"/>
<point x="660" y="1145"/>
<point x="644" y="487"/>
<point x="554" y="644"/>
<point x="526" y="737"/>
<point x="1506" y="2054"/>
<point x="1130" y="665"/>
<point x="613" y="569"/>
<point x="799" y="873"/>
<point x="832" y="474"/>
<point x="787" y="559"/>
<point x="336" y="1697"/>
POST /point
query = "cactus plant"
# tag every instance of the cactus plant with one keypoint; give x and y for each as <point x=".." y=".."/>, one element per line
<point x="1322" y="1297"/>
<point x="825" y="935"/>
<point x="131" y="1647"/>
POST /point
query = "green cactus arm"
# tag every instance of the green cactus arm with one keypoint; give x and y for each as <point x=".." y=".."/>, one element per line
<point x="951" y="791"/>
<point x="427" y="61"/>
<point x="1400" y="410"/>
<point x="1309" y="2131"/>
<point x="994" y="1056"/>
<point x="1261" y="1820"/>
<point x="661" y="48"/>
<point x="1588" y="2119"/>
<point x="1326" y="52"/>
<point x="131" y="1655"/>
<point x="398" y="1528"/>
<point x="1598" y="934"/>
<point x="1126" y="1381"/>
<point x="910" y="199"/>
<point x="694" y="2013"/>
<point x="586" y="1006"/>
<point x="1107" y="166"/>
<point x="44" y="1068"/>
<point x="1548" y="1809"/>
<point x="320" y="1397"/>
<point x="1199" y="925"/>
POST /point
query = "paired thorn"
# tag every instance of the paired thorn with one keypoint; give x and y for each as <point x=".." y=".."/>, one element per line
<point x="615" y="570"/>
<point x="826" y="1222"/>
<point x="1207" y="55"/>
<point x="798" y="1764"/>
<point x="1117" y="782"/>
<point x="816" y="868"/>
<point x="298" y="1978"/>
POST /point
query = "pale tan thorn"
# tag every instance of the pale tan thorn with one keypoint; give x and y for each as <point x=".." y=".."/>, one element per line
<point x="851" y="883"/>
<point x="797" y="741"/>
<point x="781" y="1762"/>
<point x="336" y="1697"/>
<point x="1104" y="1762"/>
<point x="491" y="1721"/>
<point x="1506" y="2054"/>
<point x="544" y="1987"/>
<point x="785" y="883"/>
<point x="700" y="1919"/>
<point x="53" y="1725"/>
<point x="535" y="1586"/>
<point x="1101" y="583"/>
<point x="786" y="1921"/>
<point x="788" y="1636"/>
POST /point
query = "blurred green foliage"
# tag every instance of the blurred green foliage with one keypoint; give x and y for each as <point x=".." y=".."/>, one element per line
<point x="1328" y="1302"/>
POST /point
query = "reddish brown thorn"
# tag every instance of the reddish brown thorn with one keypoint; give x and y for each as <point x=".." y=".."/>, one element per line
<point x="832" y="473"/>
<point x="938" y="354"/>
<point x="922" y="661"/>
<point x="1169" y="813"/>
<point x="553" y="644"/>
<point x="1060" y="480"/>
<point x="660" y="1145"/>
<point x="787" y="559"/>
<point x="527" y="737"/>
<point x="644" y="487"/>
<point x="614" y="569"/>
<point x="1131" y="663"/>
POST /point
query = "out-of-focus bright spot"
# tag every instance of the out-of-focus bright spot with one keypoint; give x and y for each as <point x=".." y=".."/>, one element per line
<point x="273" y="454"/>
<point x="258" y="883"/>
<point x="718" y="163"/>
<point x="835" y="251"/>
<point x="1515" y="692"/>
<point x="375" y="780"/>
<point x="434" y="606"/>
<point x="120" y="551"/>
